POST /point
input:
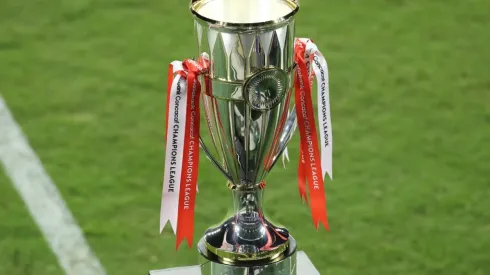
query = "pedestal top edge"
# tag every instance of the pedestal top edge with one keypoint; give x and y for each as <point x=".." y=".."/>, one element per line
<point x="305" y="267"/>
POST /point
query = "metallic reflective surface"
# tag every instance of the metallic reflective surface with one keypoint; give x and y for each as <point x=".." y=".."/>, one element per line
<point x="284" y="267"/>
<point x="246" y="104"/>
<point x="265" y="89"/>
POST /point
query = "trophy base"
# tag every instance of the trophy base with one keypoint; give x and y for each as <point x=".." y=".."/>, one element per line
<point x="304" y="267"/>
<point x="233" y="244"/>
<point x="286" y="266"/>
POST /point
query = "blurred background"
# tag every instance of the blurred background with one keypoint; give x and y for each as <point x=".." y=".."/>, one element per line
<point x="410" y="98"/>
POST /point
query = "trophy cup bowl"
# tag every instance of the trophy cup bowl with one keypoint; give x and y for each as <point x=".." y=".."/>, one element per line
<point x="249" y="46"/>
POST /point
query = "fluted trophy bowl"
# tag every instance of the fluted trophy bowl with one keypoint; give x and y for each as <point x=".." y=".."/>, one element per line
<point x="248" y="47"/>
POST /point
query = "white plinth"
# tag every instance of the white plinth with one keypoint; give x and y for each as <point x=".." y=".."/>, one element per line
<point x="305" y="267"/>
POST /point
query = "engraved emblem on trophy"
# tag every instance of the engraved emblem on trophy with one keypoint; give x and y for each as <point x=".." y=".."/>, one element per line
<point x="252" y="84"/>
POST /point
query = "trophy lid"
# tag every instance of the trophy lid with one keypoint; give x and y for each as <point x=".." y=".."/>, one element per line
<point x="244" y="12"/>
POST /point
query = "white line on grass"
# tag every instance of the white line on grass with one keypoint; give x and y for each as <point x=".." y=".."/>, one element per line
<point x="43" y="200"/>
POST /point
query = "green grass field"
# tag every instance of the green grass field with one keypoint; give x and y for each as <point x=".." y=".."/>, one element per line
<point x="410" y="92"/>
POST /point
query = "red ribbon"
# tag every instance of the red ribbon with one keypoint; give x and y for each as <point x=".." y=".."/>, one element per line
<point x="302" y="176"/>
<point x="311" y="167"/>
<point x="190" y="162"/>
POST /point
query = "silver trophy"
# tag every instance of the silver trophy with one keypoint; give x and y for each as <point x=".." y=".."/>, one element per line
<point x="250" y="47"/>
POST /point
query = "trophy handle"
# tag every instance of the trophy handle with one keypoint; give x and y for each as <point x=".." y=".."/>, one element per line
<point x="206" y="151"/>
<point x="287" y="134"/>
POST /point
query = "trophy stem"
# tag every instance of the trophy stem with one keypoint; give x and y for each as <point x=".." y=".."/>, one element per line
<point x="249" y="221"/>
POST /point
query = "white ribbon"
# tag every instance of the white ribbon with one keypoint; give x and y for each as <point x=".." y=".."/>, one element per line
<point x="320" y="68"/>
<point x="177" y="109"/>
